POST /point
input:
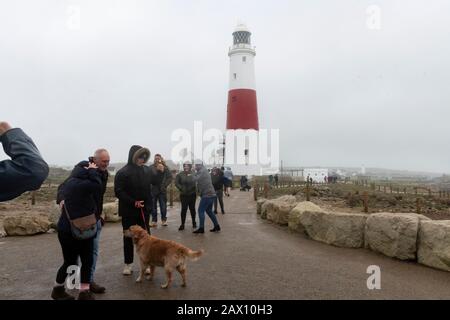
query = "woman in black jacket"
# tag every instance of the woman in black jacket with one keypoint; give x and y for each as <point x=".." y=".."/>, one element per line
<point x="185" y="183"/>
<point x="132" y="186"/>
<point x="80" y="192"/>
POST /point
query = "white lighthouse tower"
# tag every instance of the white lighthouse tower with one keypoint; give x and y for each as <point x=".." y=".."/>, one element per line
<point x="241" y="143"/>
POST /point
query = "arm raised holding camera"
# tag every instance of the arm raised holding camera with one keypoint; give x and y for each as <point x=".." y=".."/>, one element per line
<point x="26" y="171"/>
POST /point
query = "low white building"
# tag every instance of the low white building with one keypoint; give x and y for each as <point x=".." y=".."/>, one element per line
<point x="317" y="174"/>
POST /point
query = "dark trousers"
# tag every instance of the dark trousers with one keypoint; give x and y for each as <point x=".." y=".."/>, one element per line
<point x="127" y="222"/>
<point x="72" y="249"/>
<point x="162" y="199"/>
<point x="188" y="201"/>
<point x="219" y="197"/>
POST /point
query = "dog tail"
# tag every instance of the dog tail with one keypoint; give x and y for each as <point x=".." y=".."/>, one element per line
<point x="194" y="255"/>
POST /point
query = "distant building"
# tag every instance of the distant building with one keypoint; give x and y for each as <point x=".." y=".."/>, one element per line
<point x="317" y="174"/>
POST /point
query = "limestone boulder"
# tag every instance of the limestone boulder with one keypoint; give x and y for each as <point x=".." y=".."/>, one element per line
<point x="26" y="225"/>
<point x="393" y="234"/>
<point x="259" y="205"/>
<point x="2" y="230"/>
<point x="434" y="244"/>
<point x="111" y="212"/>
<point x="338" y="229"/>
<point x="264" y="207"/>
<point x="278" y="211"/>
<point x="294" y="223"/>
<point x="54" y="215"/>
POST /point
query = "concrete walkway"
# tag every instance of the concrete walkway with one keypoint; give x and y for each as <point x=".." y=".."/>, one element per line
<point x="249" y="259"/>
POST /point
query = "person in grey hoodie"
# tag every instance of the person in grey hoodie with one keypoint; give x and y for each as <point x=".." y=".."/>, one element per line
<point x="207" y="196"/>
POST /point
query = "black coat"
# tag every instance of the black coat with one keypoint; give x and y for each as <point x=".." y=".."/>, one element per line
<point x="81" y="192"/>
<point x="160" y="180"/>
<point x="99" y="197"/>
<point x="217" y="181"/>
<point x="25" y="171"/>
<point x="133" y="183"/>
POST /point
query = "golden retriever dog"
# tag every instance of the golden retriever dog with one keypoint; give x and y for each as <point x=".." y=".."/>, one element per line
<point x="154" y="252"/>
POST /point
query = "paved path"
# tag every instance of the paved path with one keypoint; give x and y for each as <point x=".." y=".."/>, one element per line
<point x="249" y="259"/>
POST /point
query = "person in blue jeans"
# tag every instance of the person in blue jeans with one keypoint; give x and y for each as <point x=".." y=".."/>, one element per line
<point x="207" y="197"/>
<point x="161" y="178"/>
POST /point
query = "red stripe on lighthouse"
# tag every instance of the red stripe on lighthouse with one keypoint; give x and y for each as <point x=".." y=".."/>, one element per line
<point x="242" y="110"/>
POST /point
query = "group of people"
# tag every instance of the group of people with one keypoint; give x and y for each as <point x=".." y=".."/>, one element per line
<point x="139" y="188"/>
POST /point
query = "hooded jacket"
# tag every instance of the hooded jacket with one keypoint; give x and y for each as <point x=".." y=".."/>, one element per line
<point x="26" y="170"/>
<point x="81" y="192"/>
<point x="99" y="197"/>
<point x="185" y="183"/>
<point x="133" y="183"/>
<point x="204" y="183"/>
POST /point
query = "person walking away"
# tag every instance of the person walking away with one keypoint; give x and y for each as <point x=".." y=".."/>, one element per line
<point x="228" y="175"/>
<point x="26" y="171"/>
<point x="161" y="178"/>
<point x="77" y="229"/>
<point x="276" y="180"/>
<point x="132" y="186"/>
<point x="185" y="183"/>
<point x="207" y="196"/>
<point x="101" y="159"/>
<point x="217" y="181"/>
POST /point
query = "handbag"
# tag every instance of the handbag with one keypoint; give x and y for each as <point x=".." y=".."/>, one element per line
<point x="83" y="228"/>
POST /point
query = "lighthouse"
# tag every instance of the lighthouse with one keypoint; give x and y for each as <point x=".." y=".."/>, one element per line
<point x="242" y="110"/>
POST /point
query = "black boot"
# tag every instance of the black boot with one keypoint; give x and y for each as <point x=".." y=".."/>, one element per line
<point x="59" y="293"/>
<point x="96" y="288"/>
<point x="199" y="230"/>
<point x="181" y="228"/>
<point x="86" y="295"/>
<point x="215" y="229"/>
<point x="194" y="225"/>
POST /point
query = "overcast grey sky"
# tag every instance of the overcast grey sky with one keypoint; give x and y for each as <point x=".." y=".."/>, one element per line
<point x="342" y="94"/>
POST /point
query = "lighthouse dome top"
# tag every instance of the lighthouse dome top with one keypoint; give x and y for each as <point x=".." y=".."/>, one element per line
<point x="241" y="35"/>
<point x="241" y="27"/>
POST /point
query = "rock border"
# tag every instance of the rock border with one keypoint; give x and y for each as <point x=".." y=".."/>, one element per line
<point x="403" y="236"/>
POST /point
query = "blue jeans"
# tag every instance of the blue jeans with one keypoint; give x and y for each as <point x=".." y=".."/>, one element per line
<point x="206" y="204"/>
<point x="95" y="251"/>
<point x="162" y="199"/>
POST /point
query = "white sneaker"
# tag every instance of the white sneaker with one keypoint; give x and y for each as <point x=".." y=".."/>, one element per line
<point x="127" y="271"/>
<point x="164" y="223"/>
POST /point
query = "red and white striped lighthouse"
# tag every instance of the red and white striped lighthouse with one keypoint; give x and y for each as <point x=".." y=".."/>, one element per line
<point x="242" y="109"/>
